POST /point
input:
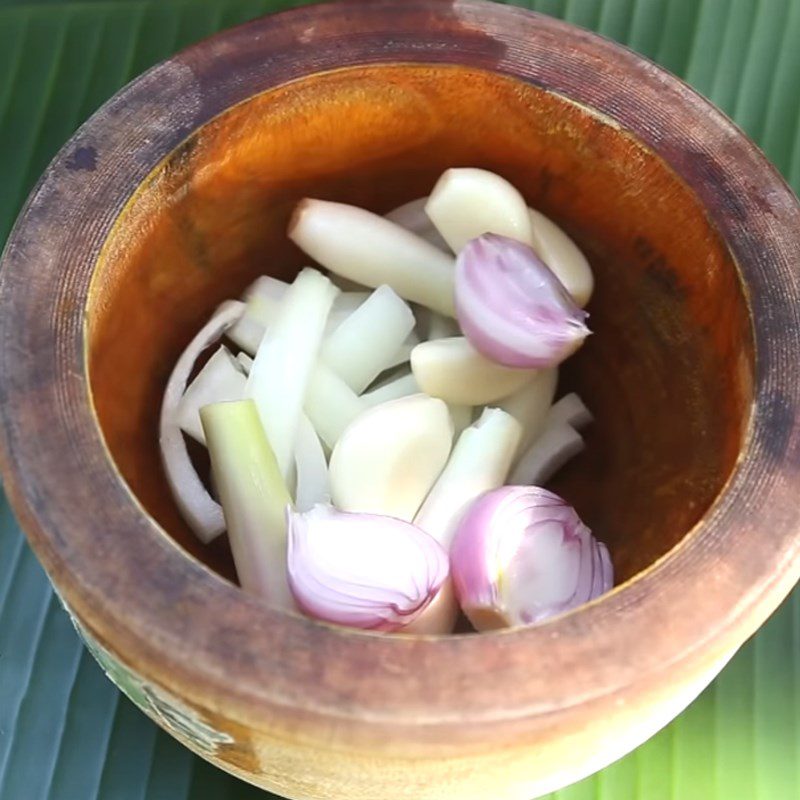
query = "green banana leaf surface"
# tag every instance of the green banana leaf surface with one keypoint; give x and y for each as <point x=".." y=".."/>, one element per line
<point x="65" y="732"/>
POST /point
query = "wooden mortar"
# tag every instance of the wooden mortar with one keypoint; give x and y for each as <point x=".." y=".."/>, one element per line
<point x="176" y="194"/>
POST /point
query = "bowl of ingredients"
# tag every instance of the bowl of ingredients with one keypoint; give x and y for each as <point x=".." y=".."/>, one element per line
<point x="402" y="397"/>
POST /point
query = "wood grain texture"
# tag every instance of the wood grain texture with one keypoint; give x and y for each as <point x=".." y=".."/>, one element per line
<point x="351" y="708"/>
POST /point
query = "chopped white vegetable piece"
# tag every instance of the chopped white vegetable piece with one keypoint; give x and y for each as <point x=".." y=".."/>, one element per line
<point x="247" y="333"/>
<point x="547" y="455"/>
<point x="286" y="358"/>
<point x="563" y="257"/>
<point x="262" y="309"/>
<point x="263" y="299"/>
<point x="389" y="457"/>
<point x="569" y="410"/>
<point x="312" y="468"/>
<point x="330" y="404"/>
<point x="368" y="340"/>
<point x="480" y="461"/>
<point x="201" y="512"/>
<point x="412" y="217"/>
<point x="218" y="381"/>
<point x="367" y="248"/>
<point x="398" y="386"/>
<point x="530" y="404"/>
<point x="254" y="498"/>
<point x="245" y="362"/>
<point x="468" y="202"/>
<point x="454" y="371"/>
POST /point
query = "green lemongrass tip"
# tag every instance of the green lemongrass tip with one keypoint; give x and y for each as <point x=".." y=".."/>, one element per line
<point x="254" y="497"/>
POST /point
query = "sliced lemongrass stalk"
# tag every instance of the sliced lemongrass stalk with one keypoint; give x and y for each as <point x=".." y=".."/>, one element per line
<point x="512" y="307"/>
<point x="398" y="386"/>
<point x="480" y="461"/>
<point x="245" y="361"/>
<point x="530" y="404"/>
<point x="569" y="410"/>
<point x="312" y="485"/>
<point x="522" y="555"/>
<point x="412" y="217"/>
<point x="200" y="511"/>
<point x="362" y="570"/>
<point x="254" y="498"/>
<point x="563" y="257"/>
<point x="468" y="202"/>
<point x="218" y="381"/>
<point x="549" y="452"/>
<point x="286" y="357"/>
<point x="455" y="371"/>
<point x="389" y="457"/>
<point x="247" y="333"/>
<point x="369" y="249"/>
<point x="330" y="404"/>
<point x="369" y="339"/>
<point x="462" y="417"/>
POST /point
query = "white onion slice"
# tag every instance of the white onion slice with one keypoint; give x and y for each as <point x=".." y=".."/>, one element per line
<point x="312" y="468"/>
<point x="200" y="511"/>
<point x="547" y="455"/>
<point x="220" y="380"/>
<point x="368" y="341"/>
<point x="569" y="410"/>
<point x="285" y="360"/>
<point x="330" y="404"/>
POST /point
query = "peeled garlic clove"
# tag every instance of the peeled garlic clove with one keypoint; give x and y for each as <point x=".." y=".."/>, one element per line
<point x="521" y="555"/>
<point x="468" y="202"/>
<point x="386" y="461"/>
<point x="563" y="257"/>
<point x="362" y="570"/>
<point x="455" y="371"/>
<point x="512" y="308"/>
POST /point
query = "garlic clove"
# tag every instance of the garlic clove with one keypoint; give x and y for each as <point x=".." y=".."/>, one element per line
<point x="388" y="458"/>
<point x="455" y="371"/>
<point x="468" y="202"/>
